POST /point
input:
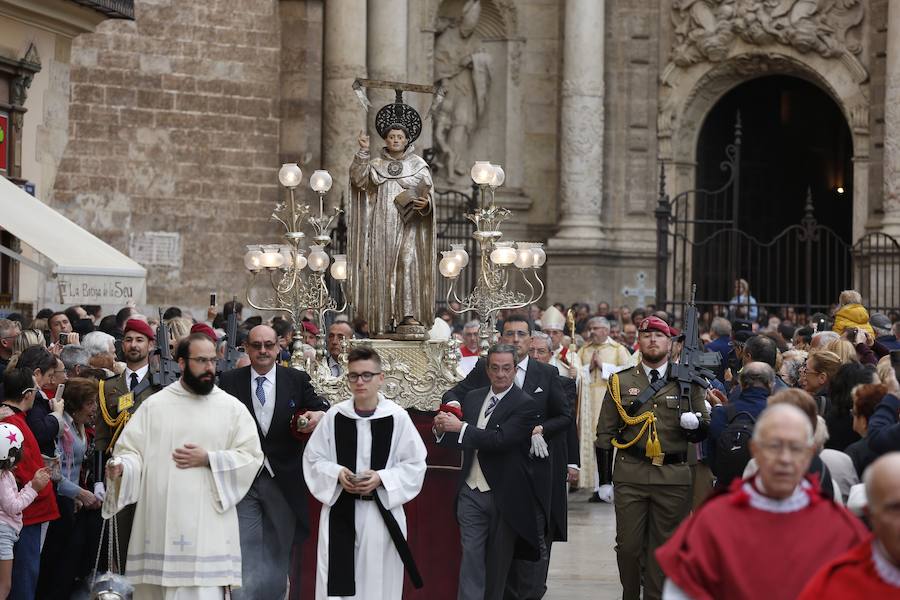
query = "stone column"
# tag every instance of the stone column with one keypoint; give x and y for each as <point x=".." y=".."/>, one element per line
<point x="342" y="115"/>
<point x="386" y="54"/>
<point x="891" y="204"/>
<point x="581" y="135"/>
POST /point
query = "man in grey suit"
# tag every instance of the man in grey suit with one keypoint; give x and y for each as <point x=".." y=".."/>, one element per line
<point x="496" y="502"/>
<point x="273" y="515"/>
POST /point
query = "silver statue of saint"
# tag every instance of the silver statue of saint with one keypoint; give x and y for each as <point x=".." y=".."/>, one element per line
<point x="391" y="220"/>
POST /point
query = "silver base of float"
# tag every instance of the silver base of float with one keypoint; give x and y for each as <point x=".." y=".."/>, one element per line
<point x="416" y="373"/>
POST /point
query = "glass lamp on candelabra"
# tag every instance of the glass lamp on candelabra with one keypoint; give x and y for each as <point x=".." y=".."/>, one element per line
<point x="297" y="279"/>
<point x="499" y="261"/>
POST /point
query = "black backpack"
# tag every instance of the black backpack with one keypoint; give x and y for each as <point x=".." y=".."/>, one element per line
<point x="733" y="446"/>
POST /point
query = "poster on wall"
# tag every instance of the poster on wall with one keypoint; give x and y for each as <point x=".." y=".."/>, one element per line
<point x="4" y="142"/>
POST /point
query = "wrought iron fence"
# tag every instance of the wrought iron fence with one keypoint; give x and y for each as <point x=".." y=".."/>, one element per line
<point x="451" y="208"/>
<point x="804" y="267"/>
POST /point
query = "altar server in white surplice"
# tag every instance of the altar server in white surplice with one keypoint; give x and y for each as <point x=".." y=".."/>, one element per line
<point x="364" y="461"/>
<point x="187" y="456"/>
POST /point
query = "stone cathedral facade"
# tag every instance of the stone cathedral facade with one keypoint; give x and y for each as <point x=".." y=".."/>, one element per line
<point x="179" y="120"/>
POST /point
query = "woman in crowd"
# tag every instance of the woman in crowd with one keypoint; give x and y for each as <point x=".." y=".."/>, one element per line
<point x="19" y="393"/>
<point x="838" y="417"/>
<point x="820" y="368"/>
<point x="742" y="305"/>
<point x="844" y="349"/>
<point x="67" y="537"/>
<point x="28" y="338"/>
<point x="43" y="420"/>
<point x="865" y="398"/>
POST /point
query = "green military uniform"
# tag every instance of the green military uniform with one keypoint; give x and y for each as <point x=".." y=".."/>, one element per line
<point x="652" y="495"/>
<point x="116" y="401"/>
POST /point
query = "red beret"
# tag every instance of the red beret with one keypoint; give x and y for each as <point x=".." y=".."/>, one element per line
<point x="205" y="330"/>
<point x="310" y="327"/>
<point x="655" y="324"/>
<point x="140" y="327"/>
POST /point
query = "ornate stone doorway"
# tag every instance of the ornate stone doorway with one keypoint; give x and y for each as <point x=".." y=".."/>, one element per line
<point x="795" y="139"/>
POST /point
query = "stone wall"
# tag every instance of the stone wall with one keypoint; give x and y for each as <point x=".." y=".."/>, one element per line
<point x="174" y="128"/>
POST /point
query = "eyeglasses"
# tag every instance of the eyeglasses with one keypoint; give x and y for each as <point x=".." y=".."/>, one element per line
<point x="513" y="333"/>
<point x="776" y="449"/>
<point x="260" y="345"/>
<point x="29" y="390"/>
<point x="366" y="376"/>
<point x="203" y="360"/>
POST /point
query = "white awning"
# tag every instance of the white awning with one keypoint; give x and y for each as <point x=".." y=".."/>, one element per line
<point x="86" y="269"/>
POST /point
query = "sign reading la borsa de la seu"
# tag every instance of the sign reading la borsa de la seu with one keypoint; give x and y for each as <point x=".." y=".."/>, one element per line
<point x="100" y="289"/>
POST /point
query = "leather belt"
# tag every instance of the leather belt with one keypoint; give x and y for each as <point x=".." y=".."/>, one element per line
<point x="671" y="458"/>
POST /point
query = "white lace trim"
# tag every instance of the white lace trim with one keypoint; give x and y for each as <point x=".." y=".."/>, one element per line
<point x="796" y="501"/>
<point x="885" y="569"/>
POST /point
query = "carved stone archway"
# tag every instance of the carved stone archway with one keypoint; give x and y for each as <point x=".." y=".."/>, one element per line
<point x="713" y="53"/>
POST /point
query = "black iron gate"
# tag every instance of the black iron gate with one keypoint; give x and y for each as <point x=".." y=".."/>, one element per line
<point x="803" y="267"/>
<point x="453" y="227"/>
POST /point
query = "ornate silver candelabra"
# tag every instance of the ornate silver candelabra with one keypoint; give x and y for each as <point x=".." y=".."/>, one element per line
<point x="297" y="280"/>
<point x="499" y="261"/>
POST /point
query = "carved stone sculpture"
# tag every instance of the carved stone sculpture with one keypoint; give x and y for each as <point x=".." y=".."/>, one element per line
<point x="705" y="30"/>
<point x="463" y="69"/>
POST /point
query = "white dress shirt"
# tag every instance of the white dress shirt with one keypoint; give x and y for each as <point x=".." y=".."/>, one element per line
<point x="141" y="373"/>
<point x="264" y="412"/>
<point x="661" y="369"/>
<point x="521" y="370"/>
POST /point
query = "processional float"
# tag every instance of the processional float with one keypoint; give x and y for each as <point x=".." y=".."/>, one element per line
<point x="388" y="275"/>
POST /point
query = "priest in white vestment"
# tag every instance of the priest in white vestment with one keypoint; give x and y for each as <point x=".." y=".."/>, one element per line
<point x="187" y="456"/>
<point x="364" y="461"/>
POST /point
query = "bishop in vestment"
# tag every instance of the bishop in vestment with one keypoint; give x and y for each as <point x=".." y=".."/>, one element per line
<point x="187" y="456"/>
<point x="363" y="462"/>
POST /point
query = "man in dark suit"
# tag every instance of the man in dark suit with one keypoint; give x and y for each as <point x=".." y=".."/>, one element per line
<point x="540" y="381"/>
<point x="495" y="505"/>
<point x="273" y="516"/>
<point x="566" y="464"/>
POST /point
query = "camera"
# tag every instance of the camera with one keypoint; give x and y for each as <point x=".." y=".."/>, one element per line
<point x="63" y="339"/>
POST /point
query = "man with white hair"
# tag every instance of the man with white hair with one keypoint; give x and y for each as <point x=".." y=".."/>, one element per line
<point x="599" y="351"/>
<point x="98" y="342"/>
<point x="821" y="339"/>
<point x="872" y="569"/>
<point x="729" y="548"/>
<point x="470" y="349"/>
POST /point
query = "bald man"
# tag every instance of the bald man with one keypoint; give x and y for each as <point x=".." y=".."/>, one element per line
<point x="872" y="569"/>
<point x="273" y="515"/>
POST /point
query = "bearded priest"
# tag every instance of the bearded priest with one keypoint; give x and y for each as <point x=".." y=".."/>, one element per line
<point x="187" y="456"/>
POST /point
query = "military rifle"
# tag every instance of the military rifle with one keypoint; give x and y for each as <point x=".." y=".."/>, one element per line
<point x="168" y="371"/>
<point x="694" y="365"/>
<point x="232" y="354"/>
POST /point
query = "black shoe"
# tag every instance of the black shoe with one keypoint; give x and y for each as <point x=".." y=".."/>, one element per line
<point x="595" y="497"/>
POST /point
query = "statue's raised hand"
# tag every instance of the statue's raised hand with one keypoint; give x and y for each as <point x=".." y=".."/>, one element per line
<point x="363" y="140"/>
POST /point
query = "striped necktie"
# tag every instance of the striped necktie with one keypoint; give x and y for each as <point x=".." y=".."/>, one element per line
<point x="260" y="392"/>
<point x="491" y="406"/>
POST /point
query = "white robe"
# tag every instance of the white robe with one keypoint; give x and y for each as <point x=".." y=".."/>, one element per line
<point x="379" y="570"/>
<point x="185" y="532"/>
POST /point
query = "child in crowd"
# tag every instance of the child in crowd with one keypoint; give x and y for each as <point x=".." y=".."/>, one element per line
<point x="13" y="500"/>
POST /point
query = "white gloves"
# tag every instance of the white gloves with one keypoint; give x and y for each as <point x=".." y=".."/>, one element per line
<point x="100" y="491"/>
<point x="606" y="493"/>
<point x="539" y="446"/>
<point x="689" y="421"/>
